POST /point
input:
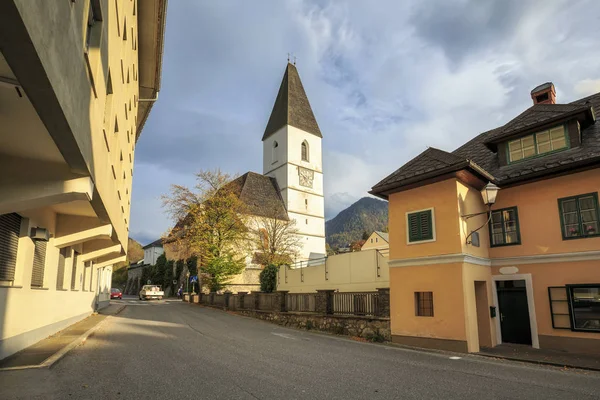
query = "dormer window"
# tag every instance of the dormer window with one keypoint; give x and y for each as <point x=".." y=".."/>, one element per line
<point x="537" y="144"/>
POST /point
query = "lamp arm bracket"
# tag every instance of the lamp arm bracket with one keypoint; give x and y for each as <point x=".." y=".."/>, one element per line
<point x="486" y="222"/>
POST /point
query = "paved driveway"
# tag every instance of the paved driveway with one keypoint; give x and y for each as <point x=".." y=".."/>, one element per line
<point x="170" y="350"/>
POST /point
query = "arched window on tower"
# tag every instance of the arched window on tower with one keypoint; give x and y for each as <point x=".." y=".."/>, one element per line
<point x="274" y="152"/>
<point x="304" y="151"/>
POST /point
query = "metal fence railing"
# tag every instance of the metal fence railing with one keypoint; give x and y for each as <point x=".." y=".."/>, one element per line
<point x="266" y="301"/>
<point x="363" y="303"/>
<point x="300" y="302"/>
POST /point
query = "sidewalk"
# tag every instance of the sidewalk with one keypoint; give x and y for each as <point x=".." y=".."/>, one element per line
<point x="46" y="352"/>
<point x="542" y="356"/>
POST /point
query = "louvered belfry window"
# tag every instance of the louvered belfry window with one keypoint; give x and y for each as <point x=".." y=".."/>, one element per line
<point x="39" y="261"/>
<point x="10" y="226"/>
<point x="420" y="226"/>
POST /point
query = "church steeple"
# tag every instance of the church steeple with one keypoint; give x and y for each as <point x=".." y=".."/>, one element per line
<point x="291" y="106"/>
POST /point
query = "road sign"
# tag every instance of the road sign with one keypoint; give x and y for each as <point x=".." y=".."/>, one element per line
<point x="194" y="278"/>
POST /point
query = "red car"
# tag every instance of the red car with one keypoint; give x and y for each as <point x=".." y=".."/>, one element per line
<point x="116" y="294"/>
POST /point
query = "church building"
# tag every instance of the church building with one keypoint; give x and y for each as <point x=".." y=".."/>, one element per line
<point x="292" y="156"/>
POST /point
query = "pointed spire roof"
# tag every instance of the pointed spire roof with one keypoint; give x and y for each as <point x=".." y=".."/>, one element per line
<point x="291" y="106"/>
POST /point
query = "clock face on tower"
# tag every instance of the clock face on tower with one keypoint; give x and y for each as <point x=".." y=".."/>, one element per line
<point x="306" y="177"/>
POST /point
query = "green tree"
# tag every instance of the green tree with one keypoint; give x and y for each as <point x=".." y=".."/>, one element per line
<point x="211" y="223"/>
<point x="268" y="278"/>
<point x="365" y="235"/>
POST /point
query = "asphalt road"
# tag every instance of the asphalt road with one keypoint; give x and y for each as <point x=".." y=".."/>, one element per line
<point x="170" y="350"/>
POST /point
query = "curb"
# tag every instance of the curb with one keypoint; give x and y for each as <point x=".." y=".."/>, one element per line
<point x="50" y="361"/>
<point x="537" y="362"/>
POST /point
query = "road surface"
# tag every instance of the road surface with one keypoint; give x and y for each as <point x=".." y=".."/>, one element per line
<point x="171" y="350"/>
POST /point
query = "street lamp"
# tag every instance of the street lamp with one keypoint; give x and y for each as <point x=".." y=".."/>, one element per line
<point x="488" y="195"/>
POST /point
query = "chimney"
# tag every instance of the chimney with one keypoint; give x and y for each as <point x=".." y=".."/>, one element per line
<point x="544" y="94"/>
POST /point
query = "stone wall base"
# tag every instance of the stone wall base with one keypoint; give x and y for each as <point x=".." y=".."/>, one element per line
<point x="370" y="328"/>
<point x="459" y="346"/>
<point x="570" y="344"/>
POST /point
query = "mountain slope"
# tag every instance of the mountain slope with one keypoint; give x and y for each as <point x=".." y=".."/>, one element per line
<point x="366" y="215"/>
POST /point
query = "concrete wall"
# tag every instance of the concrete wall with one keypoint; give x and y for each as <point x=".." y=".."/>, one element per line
<point x="74" y="178"/>
<point x="349" y="272"/>
<point x="30" y="314"/>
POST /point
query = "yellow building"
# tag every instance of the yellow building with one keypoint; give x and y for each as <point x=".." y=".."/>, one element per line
<point x="526" y="272"/>
<point x="77" y="81"/>
<point x="377" y="240"/>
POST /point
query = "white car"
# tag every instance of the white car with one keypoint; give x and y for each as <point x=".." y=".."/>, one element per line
<point x="151" y="292"/>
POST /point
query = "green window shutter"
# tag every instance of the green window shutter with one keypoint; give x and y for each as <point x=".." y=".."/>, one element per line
<point x="426" y="225"/>
<point x="420" y="226"/>
<point x="413" y="227"/>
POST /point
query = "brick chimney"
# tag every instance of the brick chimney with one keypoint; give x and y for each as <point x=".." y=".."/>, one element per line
<point x="544" y="94"/>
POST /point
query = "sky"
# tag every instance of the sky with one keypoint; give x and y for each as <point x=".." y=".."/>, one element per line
<point x="385" y="80"/>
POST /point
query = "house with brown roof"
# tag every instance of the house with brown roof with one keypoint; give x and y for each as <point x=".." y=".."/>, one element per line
<point x="499" y="241"/>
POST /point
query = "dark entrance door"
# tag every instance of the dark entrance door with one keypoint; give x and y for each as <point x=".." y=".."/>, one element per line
<point x="514" y="313"/>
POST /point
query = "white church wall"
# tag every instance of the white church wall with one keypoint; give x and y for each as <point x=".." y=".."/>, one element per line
<point x="274" y="159"/>
<point x="308" y="224"/>
<point x="293" y="181"/>
<point x="305" y="203"/>
<point x="294" y="149"/>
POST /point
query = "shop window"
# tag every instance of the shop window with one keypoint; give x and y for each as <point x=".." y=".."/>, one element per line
<point x="584" y="304"/>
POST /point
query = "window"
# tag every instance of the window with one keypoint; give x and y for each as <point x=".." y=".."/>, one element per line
<point x="584" y="303"/>
<point x="579" y="216"/>
<point x="60" y="274"/>
<point x="74" y="270"/>
<point x="420" y="226"/>
<point x="304" y="151"/>
<point x="39" y="261"/>
<point x="371" y="240"/>
<point x="424" y="304"/>
<point x="91" y="21"/>
<point x="10" y="226"/>
<point x="376" y="240"/>
<point x="504" y="227"/>
<point x="540" y="143"/>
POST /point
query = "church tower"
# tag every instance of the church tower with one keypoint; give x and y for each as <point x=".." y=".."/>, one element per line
<point x="292" y="155"/>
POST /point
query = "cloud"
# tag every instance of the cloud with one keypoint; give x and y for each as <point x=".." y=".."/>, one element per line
<point x="384" y="83"/>
<point x="587" y="87"/>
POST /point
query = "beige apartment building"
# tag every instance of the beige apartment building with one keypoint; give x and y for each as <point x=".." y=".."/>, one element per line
<point x="77" y="82"/>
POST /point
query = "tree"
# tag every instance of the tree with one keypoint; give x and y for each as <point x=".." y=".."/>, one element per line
<point x="276" y="241"/>
<point x="356" y="246"/>
<point x="211" y="224"/>
<point x="329" y="250"/>
<point x="268" y="278"/>
<point x="365" y="235"/>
